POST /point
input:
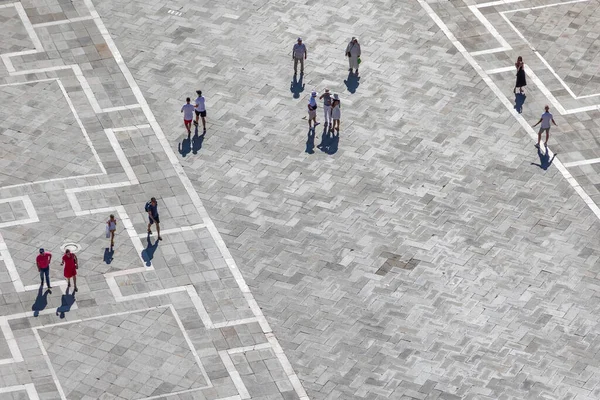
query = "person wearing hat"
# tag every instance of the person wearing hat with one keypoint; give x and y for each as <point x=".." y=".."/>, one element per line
<point x="353" y="54"/>
<point x="326" y="107"/>
<point x="312" y="110"/>
<point x="200" y="109"/>
<point x="336" y="113"/>
<point x="299" y="54"/>
<point x="43" y="264"/>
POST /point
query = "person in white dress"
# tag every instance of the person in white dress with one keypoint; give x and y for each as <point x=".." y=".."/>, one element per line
<point x="353" y="54"/>
<point x="336" y="113"/>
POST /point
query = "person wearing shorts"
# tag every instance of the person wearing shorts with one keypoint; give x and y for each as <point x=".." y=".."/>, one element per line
<point x="312" y="110"/>
<point x="200" y="110"/>
<point x="188" y="115"/>
<point x="545" y="120"/>
<point x="153" y="218"/>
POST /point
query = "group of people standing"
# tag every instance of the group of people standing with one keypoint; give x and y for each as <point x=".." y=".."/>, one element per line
<point x="546" y="119"/>
<point x="331" y="110"/>
<point x="331" y="103"/>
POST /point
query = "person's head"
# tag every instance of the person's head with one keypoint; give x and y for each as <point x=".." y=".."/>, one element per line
<point x="153" y="201"/>
<point x="187" y="100"/>
<point x="313" y="94"/>
<point x="354" y="40"/>
<point x="299" y="40"/>
<point x="547" y="107"/>
<point x="41" y="251"/>
<point x="520" y="59"/>
<point x="336" y="97"/>
<point x="199" y="92"/>
<point x="112" y="216"/>
<point x="67" y="251"/>
<point x="326" y="91"/>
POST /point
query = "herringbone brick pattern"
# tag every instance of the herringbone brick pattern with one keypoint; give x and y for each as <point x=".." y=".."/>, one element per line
<point x="427" y="258"/>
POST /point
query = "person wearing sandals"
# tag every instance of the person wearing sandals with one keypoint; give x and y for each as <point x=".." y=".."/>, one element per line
<point x="112" y="228"/>
<point x="336" y="113"/>
<point x="69" y="260"/>
<point x="521" y="79"/>
<point x="353" y="54"/>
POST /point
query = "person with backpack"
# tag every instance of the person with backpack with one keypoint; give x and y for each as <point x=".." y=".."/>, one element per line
<point x="152" y="210"/>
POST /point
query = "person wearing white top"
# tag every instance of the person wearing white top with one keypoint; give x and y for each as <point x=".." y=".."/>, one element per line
<point x="353" y="54"/>
<point x="200" y="109"/>
<point x="545" y="121"/>
<point x="188" y="115"/>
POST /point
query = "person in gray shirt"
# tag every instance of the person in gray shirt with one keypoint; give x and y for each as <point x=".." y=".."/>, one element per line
<point x="299" y="53"/>
<point x="326" y="97"/>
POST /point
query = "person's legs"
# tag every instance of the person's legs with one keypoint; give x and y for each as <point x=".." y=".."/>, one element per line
<point x="112" y="238"/>
<point x="188" y="126"/>
<point x="203" y="122"/>
<point x="75" y="283"/>
<point x="302" y="66"/>
<point x="197" y="116"/>
<point x="68" y="282"/>
<point x="149" y="225"/>
<point x="327" y="115"/>
<point x="295" y="66"/>
<point x="539" y="137"/>
<point x="547" y="137"/>
<point x="158" y="230"/>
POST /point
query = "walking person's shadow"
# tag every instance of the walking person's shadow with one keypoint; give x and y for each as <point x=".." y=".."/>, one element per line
<point x="108" y="255"/>
<point x="41" y="301"/>
<point x="519" y="101"/>
<point x="66" y="302"/>
<point x="297" y="86"/>
<point x="197" y="141"/>
<point x="148" y="252"/>
<point x="310" y="141"/>
<point x="352" y="82"/>
<point x="545" y="160"/>
<point x="185" y="147"/>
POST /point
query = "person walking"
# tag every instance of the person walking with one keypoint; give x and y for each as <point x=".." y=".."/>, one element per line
<point x="326" y="107"/>
<point x="188" y="115"/>
<point x="545" y="121"/>
<point x="521" y="79"/>
<point x="152" y="210"/>
<point x="69" y="260"/>
<point x="111" y="226"/>
<point x="336" y="113"/>
<point x="200" y="109"/>
<point x="43" y="264"/>
<point x="353" y="54"/>
<point x="299" y="54"/>
<point x="312" y="110"/>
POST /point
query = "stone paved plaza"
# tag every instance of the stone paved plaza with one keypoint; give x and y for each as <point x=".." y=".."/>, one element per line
<point x="429" y="251"/>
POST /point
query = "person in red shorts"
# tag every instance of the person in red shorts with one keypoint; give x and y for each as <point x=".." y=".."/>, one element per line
<point x="188" y="115"/>
<point x="69" y="260"/>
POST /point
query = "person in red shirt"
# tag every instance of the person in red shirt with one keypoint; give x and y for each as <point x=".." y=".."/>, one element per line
<point x="43" y="265"/>
<point x="69" y="260"/>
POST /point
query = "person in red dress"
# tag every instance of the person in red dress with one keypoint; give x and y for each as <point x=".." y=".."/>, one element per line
<point x="69" y="260"/>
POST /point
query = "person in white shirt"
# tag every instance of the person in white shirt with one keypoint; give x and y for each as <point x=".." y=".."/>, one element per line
<point x="200" y="109"/>
<point x="299" y="54"/>
<point x="312" y="110"/>
<point x="188" y="115"/>
<point x="545" y="121"/>
<point x="353" y="54"/>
